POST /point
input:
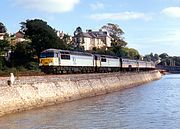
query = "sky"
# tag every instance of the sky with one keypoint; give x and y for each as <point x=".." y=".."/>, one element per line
<point x="149" y="25"/>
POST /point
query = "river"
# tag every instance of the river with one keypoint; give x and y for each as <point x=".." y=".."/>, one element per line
<point x="155" y="105"/>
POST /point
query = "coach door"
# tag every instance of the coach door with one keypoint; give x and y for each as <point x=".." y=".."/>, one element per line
<point x="97" y="61"/>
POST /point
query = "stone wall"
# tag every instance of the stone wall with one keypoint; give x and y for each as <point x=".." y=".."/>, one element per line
<point x="37" y="91"/>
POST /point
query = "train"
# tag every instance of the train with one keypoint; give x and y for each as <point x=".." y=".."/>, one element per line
<point x="65" y="61"/>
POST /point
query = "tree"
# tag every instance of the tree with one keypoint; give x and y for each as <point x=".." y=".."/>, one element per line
<point x="116" y="33"/>
<point x="147" y="58"/>
<point x="41" y="35"/>
<point x="4" y="47"/>
<point x="152" y="57"/>
<point x="78" y="33"/>
<point x="2" y="28"/>
<point x="23" y="54"/>
<point x="133" y="53"/>
<point x="118" y="45"/>
<point x="177" y="61"/>
<point x="163" y="56"/>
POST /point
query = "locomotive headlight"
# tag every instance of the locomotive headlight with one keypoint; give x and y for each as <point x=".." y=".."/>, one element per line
<point x="50" y="64"/>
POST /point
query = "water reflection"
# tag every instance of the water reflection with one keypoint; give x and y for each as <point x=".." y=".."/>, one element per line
<point x="154" y="105"/>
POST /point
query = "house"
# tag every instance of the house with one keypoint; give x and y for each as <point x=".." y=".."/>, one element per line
<point x="91" y="39"/>
<point x="65" y="37"/>
<point x="60" y="34"/>
<point x="17" y="37"/>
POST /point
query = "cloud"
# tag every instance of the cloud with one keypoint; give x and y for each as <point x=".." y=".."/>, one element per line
<point x="120" y="16"/>
<point x="50" y="6"/>
<point x="172" y="12"/>
<point x="97" y="5"/>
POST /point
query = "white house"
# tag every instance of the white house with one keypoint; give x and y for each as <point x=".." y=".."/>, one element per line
<point x="60" y="34"/>
<point x="91" y="39"/>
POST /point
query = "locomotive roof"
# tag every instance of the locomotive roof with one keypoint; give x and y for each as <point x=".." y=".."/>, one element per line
<point x="106" y="56"/>
<point x="50" y="50"/>
<point x="67" y="52"/>
<point x="75" y="52"/>
<point x="125" y="59"/>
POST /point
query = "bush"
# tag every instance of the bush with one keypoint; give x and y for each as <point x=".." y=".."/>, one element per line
<point x="2" y="63"/>
<point x="21" y="69"/>
<point x="33" y="66"/>
<point x="7" y="71"/>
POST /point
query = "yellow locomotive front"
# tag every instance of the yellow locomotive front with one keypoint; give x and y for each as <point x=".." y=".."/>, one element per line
<point x="48" y="58"/>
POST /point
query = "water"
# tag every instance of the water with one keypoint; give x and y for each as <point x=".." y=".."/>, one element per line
<point x="155" y="105"/>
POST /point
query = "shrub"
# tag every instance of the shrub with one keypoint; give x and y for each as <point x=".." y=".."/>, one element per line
<point x="33" y="66"/>
<point x="2" y="63"/>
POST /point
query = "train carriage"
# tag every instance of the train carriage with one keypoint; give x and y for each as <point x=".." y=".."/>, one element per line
<point x="129" y="65"/>
<point x="106" y="63"/>
<point x="142" y="65"/>
<point x="148" y="65"/>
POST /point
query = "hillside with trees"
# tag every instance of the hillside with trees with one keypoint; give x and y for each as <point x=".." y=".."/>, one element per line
<point x="39" y="36"/>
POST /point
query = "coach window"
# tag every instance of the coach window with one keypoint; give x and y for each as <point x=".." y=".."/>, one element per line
<point x="95" y="57"/>
<point x="65" y="57"/>
<point x="103" y="59"/>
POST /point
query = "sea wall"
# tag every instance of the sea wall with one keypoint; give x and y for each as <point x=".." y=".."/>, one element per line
<point x="37" y="91"/>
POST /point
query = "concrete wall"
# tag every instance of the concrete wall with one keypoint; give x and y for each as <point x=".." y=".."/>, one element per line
<point x="38" y="91"/>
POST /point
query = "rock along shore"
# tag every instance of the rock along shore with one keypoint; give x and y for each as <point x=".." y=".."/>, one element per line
<point x="30" y="92"/>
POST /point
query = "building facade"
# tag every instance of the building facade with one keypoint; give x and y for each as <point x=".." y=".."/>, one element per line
<point x="93" y="39"/>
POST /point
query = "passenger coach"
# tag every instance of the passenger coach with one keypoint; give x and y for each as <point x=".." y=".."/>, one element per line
<point x="106" y="63"/>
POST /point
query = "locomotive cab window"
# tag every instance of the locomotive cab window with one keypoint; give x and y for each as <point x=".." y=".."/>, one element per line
<point x="65" y="57"/>
<point x="46" y="54"/>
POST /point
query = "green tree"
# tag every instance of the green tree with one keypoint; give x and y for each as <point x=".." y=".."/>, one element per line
<point x="156" y="57"/>
<point x="133" y="53"/>
<point x="22" y="55"/>
<point x="79" y="39"/>
<point x="42" y="35"/>
<point x="116" y="33"/>
<point x="163" y="55"/>
<point x="2" y="63"/>
<point x="4" y="47"/>
<point x="147" y="58"/>
<point x="151" y="57"/>
<point x="177" y="61"/>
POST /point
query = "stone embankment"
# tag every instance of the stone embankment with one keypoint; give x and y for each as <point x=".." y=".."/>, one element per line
<point x="30" y="92"/>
